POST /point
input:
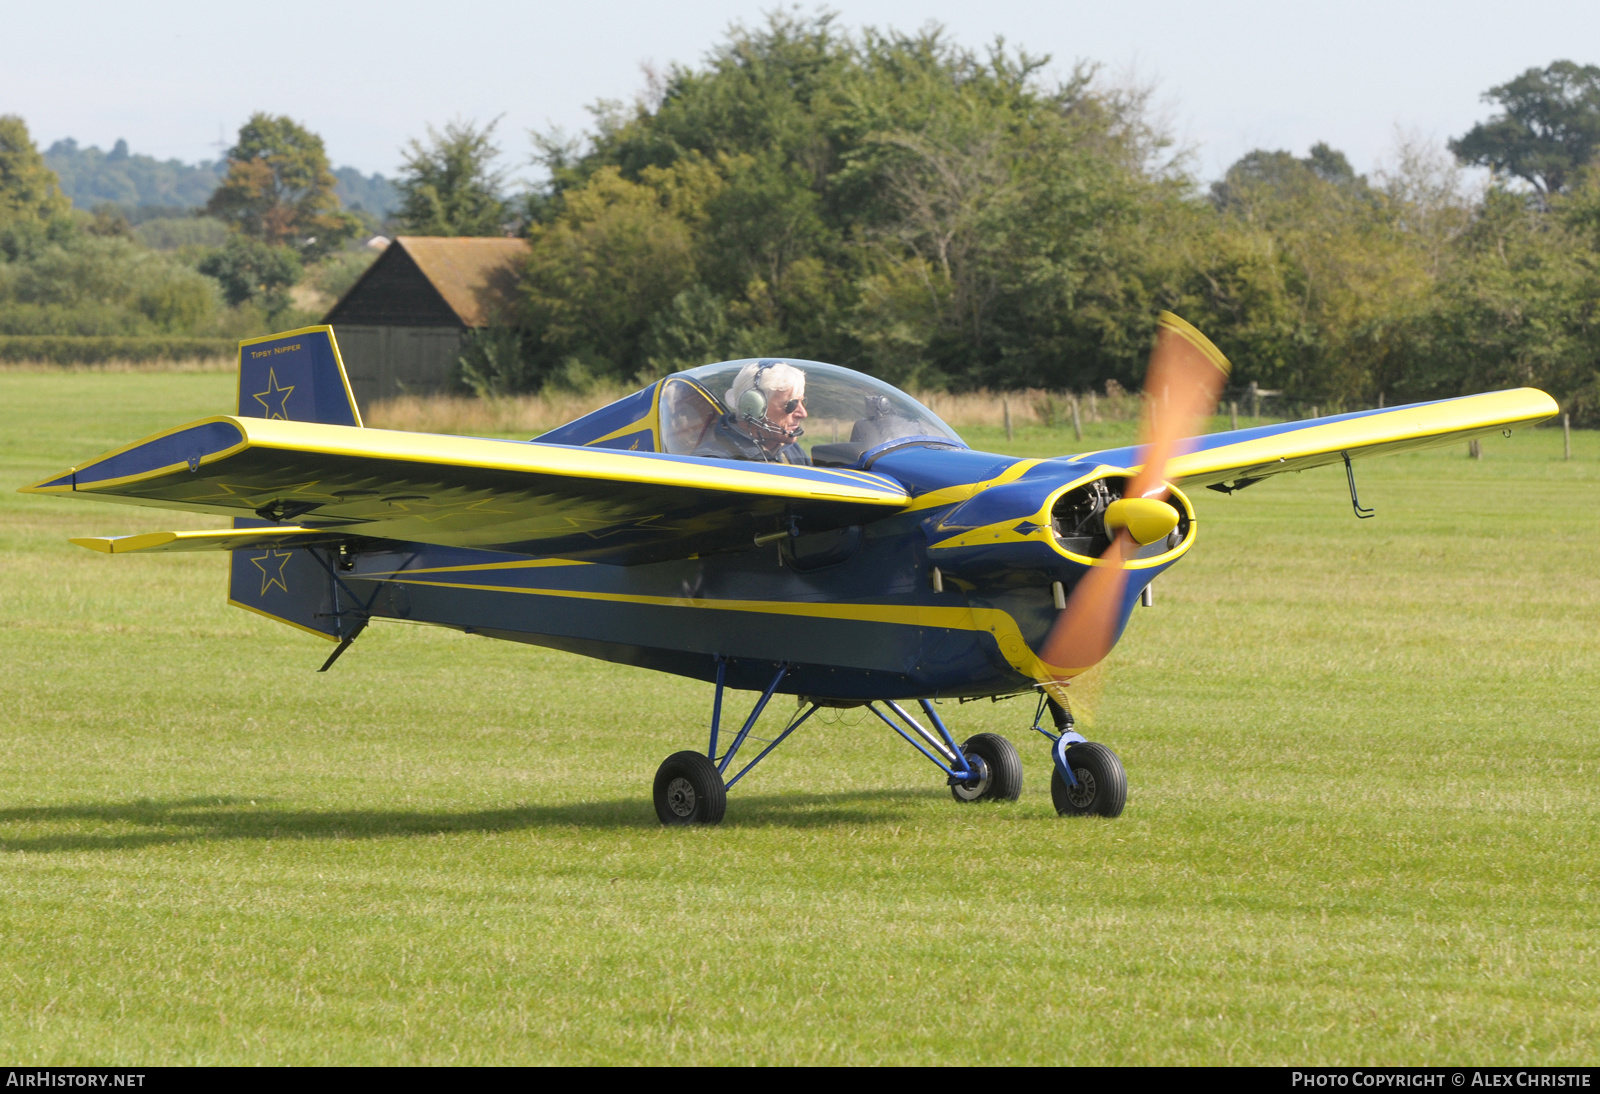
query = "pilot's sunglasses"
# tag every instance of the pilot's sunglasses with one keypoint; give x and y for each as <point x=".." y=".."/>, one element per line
<point x="792" y="405"/>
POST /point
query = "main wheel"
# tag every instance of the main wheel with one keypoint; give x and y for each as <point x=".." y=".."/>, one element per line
<point x="1102" y="784"/>
<point x="689" y="790"/>
<point x="999" y="775"/>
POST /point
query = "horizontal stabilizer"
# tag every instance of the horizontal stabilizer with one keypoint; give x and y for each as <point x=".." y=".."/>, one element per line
<point x="211" y="539"/>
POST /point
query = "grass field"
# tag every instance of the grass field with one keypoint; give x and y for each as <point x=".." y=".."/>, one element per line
<point x="1363" y="824"/>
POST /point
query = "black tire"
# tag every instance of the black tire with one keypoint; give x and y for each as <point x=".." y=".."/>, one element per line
<point x="689" y="790"/>
<point x="1002" y="782"/>
<point x="1102" y="788"/>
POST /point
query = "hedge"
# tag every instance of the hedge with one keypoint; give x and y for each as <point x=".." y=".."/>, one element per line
<point x="60" y="349"/>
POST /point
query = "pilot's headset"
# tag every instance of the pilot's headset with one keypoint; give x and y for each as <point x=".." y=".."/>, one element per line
<point x="753" y="407"/>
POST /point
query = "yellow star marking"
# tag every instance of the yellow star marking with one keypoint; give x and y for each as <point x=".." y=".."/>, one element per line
<point x="600" y="529"/>
<point x="430" y="512"/>
<point x="268" y="577"/>
<point x="276" y="393"/>
<point x="257" y="496"/>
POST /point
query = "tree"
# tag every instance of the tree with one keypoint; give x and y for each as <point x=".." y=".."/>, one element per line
<point x="251" y="271"/>
<point x="278" y="189"/>
<point x="28" y="189"/>
<point x="896" y="202"/>
<point x="450" y="186"/>
<point x="1549" y="129"/>
<point x="596" y="276"/>
<point x="32" y="206"/>
<point x="494" y="362"/>
<point x="1308" y="276"/>
<point x="96" y="285"/>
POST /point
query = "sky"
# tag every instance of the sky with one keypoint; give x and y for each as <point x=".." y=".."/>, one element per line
<point x="176" y="78"/>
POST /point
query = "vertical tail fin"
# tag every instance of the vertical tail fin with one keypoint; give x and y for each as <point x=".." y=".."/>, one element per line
<point x="297" y="376"/>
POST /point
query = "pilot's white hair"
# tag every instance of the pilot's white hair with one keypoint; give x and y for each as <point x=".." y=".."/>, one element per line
<point x="773" y="378"/>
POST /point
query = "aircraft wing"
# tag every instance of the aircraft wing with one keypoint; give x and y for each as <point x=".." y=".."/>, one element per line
<point x="1240" y="457"/>
<point x="312" y="480"/>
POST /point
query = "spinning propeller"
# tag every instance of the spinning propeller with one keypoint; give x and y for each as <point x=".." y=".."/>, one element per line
<point x="1181" y="387"/>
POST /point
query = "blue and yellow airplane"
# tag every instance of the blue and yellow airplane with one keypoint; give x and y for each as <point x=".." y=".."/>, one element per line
<point x="686" y="528"/>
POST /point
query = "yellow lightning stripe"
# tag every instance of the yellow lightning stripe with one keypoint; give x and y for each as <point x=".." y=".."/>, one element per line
<point x="1013" y="647"/>
<point x="531" y="564"/>
<point x="963" y="491"/>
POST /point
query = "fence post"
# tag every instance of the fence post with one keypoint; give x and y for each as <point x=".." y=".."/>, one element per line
<point x="1233" y="415"/>
<point x="1566" y="436"/>
<point x="1316" y="412"/>
<point x="1077" y="424"/>
<point x="1255" y="400"/>
<point x="1475" y="448"/>
<point x="1380" y="400"/>
<point x="1005" y="403"/>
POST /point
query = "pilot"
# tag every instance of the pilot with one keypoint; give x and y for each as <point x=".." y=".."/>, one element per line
<point x="769" y="403"/>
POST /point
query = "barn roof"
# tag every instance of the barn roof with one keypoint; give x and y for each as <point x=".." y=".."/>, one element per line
<point x="435" y="281"/>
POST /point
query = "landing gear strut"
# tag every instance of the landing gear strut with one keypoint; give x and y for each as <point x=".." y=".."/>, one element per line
<point x="692" y="787"/>
<point x="1088" y="780"/>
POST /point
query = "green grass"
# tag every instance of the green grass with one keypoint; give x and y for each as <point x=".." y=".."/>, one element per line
<point x="1362" y="824"/>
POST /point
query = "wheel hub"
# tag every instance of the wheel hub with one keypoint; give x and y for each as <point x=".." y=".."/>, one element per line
<point x="972" y="789"/>
<point x="680" y="797"/>
<point x="1082" y="795"/>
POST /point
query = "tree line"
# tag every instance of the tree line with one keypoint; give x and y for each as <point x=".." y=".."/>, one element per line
<point x="945" y="217"/>
<point x="144" y="188"/>
<point x="949" y="217"/>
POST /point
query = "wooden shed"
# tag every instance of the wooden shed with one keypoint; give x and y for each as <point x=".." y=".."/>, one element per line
<point x="400" y="327"/>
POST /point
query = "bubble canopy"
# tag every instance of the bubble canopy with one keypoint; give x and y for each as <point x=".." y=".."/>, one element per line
<point x="843" y="406"/>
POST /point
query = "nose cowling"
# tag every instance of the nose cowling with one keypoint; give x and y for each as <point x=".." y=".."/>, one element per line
<point x="1038" y="530"/>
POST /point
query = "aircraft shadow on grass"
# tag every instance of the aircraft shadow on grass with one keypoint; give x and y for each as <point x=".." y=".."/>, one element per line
<point x="219" y="819"/>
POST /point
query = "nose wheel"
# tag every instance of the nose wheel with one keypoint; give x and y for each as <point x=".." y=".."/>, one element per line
<point x="1099" y="786"/>
<point x="1088" y="779"/>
